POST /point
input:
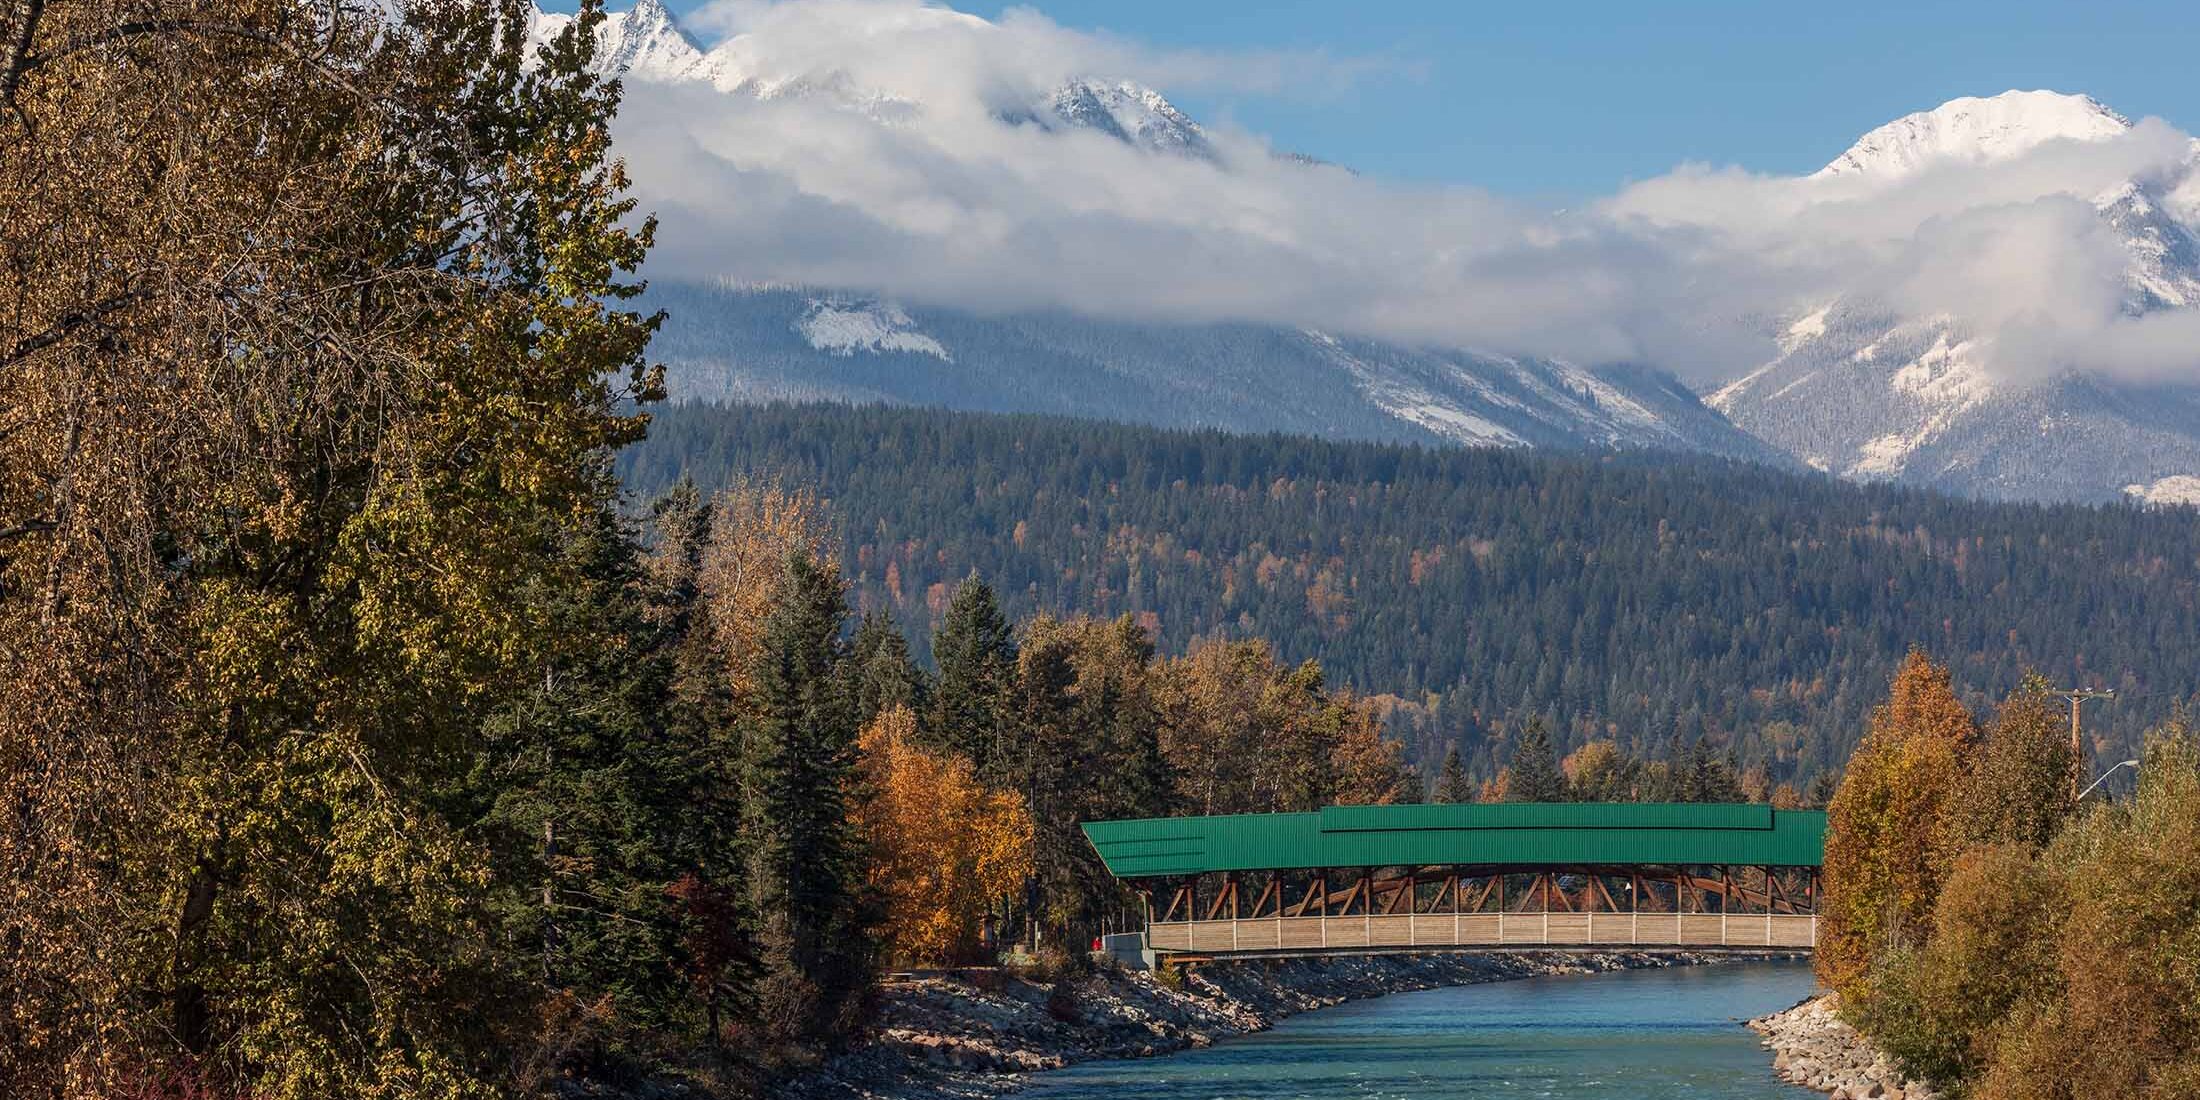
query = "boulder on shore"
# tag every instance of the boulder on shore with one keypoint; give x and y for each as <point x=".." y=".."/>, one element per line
<point x="1813" y="1047"/>
<point x="971" y="1034"/>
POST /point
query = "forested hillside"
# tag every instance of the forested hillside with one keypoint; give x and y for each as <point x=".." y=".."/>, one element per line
<point x="1646" y="599"/>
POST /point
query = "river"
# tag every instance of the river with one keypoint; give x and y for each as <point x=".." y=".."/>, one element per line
<point x="1640" y="1034"/>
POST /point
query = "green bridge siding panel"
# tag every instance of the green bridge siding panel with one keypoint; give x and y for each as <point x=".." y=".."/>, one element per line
<point x="1509" y="833"/>
<point x="1547" y="815"/>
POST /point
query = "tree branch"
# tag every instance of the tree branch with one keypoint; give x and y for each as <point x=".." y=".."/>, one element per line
<point x="70" y="323"/>
<point x="27" y="527"/>
<point x="25" y="19"/>
<point x="123" y="32"/>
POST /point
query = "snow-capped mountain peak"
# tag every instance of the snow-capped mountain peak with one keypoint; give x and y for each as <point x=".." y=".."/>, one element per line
<point x="1125" y="111"/>
<point x="647" y="43"/>
<point x="643" y="42"/>
<point x="1977" y="129"/>
<point x="1862" y="390"/>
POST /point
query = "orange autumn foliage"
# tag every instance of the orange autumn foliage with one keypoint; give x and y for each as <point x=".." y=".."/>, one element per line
<point x="943" y="846"/>
<point x="1885" y="851"/>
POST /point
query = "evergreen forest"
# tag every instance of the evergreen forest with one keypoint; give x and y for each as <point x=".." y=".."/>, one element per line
<point x="1650" y="600"/>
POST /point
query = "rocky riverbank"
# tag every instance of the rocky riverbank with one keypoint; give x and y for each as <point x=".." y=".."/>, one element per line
<point x="1814" y="1048"/>
<point x="978" y="1034"/>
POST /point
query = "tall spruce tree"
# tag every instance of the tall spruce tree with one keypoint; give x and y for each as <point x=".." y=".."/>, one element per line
<point x="1822" y="787"/>
<point x="881" y="674"/>
<point x="1706" y="777"/>
<point x="806" y="873"/>
<point x="1452" y="784"/>
<point x="1115" y="694"/>
<point x="1535" y="772"/>
<point x="976" y="654"/>
<point x="1106" y="759"/>
<point x="1049" y="761"/>
<point x="575" y="806"/>
<point x="694" y="770"/>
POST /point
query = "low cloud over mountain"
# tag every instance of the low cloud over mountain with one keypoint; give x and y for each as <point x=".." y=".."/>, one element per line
<point x="924" y="153"/>
<point x="1957" y="289"/>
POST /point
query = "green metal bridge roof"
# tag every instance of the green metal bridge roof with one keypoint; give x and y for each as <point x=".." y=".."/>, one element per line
<point x="1514" y="833"/>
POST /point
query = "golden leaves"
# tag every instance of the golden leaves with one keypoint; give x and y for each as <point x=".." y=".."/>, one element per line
<point x="943" y="846"/>
<point x="304" y="348"/>
<point x="1886" y="827"/>
<point x="756" y="524"/>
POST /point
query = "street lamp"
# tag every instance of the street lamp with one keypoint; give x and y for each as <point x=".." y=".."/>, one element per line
<point x="2120" y="765"/>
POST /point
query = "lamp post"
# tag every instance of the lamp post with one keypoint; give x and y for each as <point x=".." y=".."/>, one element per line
<point x="2120" y="765"/>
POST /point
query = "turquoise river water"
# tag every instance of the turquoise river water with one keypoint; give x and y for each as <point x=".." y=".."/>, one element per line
<point x="1641" y="1034"/>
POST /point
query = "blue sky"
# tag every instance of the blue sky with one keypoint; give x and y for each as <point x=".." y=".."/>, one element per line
<point x="1564" y="99"/>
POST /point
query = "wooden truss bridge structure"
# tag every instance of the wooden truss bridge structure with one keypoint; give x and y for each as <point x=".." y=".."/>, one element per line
<point x="1363" y="879"/>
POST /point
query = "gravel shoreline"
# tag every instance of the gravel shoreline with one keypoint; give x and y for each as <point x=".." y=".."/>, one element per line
<point x="1813" y="1047"/>
<point x="977" y="1035"/>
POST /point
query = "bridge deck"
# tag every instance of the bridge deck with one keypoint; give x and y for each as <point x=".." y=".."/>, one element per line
<point x="1374" y="931"/>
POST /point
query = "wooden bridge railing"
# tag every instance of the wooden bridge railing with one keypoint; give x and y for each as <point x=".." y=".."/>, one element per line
<point x="1378" y="932"/>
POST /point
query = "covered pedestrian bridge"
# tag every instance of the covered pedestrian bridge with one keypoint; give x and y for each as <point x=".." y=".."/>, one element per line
<point x="1366" y="879"/>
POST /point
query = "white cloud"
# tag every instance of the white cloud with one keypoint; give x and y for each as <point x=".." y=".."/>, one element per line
<point x="895" y="173"/>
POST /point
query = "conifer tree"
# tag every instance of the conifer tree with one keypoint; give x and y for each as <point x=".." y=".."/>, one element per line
<point x="1452" y="784"/>
<point x="1534" y="775"/>
<point x="881" y="674"/>
<point x="1708" y="778"/>
<point x="1049" y="761"/>
<point x="976" y="655"/>
<point x="806" y="872"/>
<point x="575" y="797"/>
<point x="1115" y="695"/>
<point x="1822" y="788"/>
<point x="694" y="768"/>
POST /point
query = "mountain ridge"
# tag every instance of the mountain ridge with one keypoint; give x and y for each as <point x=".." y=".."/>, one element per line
<point x="764" y="343"/>
<point x="1857" y="387"/>
<point x="1975" y="128"/>
<point x="1862" y="391"/>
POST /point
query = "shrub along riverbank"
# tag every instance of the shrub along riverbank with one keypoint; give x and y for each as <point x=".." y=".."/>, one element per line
<point x="1992" y="935"/>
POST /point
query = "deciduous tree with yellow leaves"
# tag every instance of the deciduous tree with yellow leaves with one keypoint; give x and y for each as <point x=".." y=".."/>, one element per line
<point x="1886" y="828"/>
<point x="943" y="847"/>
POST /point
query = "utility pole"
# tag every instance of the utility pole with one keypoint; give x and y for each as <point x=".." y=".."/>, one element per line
<point x="2077" y="697"/>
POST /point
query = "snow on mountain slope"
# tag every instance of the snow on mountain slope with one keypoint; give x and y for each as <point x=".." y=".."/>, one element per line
<point x="1877" y="397"/>
<point x="2177" y="489"/>
<point x="1125" y="111"/>
<point x="841" y="325"/>
<point x="1861" y="391"/>
<point x="1853" y="386"/>
<point x="647" y="43"/>
<point x="1977" y="129"/>
<point x="772" y="343"/>
<point x="785" y="343"/>
<point x="644" y="42"/>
